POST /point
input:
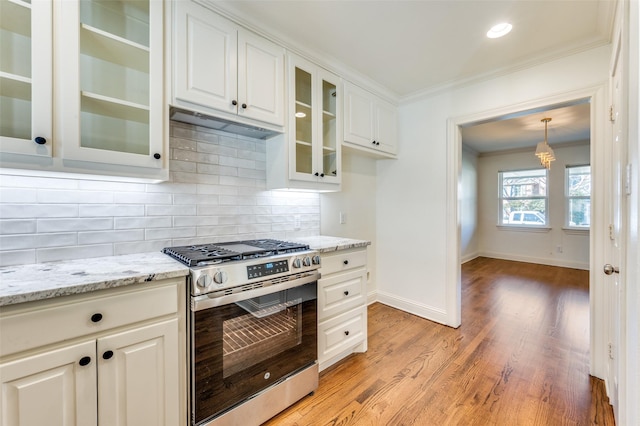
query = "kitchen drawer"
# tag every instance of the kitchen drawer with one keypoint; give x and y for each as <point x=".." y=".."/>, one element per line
<point x="43" y="323"/>
<point x="342" y="332"/>
<point x="341" y="292"/>
<point x="343" y="260"/>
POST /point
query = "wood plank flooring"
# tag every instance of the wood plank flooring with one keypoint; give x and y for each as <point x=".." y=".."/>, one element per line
<point x="521" y="357"/>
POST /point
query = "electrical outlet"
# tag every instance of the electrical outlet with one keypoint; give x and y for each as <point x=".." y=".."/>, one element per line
<point x="559" y="249"/>
<point x="343" y="218"/>
<point x="296" y="222"/>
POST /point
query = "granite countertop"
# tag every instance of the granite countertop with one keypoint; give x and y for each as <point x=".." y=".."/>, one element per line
<point x="326" y="244"/>
<point x="25" y="283"/>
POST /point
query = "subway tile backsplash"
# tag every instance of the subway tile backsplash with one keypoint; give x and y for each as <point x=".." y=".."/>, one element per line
<point x="216" y="192"/>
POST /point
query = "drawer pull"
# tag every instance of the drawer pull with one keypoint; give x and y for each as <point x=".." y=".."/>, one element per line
<point x="96" y="317"/>
<point x="107" y="355"/>
<point x="346" y="333"/>
<point x="346" y="262"/>
<point x="85" y="360"/>
<point x="346" y="293"/>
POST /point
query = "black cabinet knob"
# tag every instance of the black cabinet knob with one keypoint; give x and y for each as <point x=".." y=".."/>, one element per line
<point x="244" y="106"/>
<point x="346" y="262"/>
<point x="316" y="174"/>
<point x="157" y="156"/>
<point x="96" y="317"/>
<point x="346" y="293"/>
<point x="85" y="360"/>
<point x="346" y="333"/>
<point x="374" y="142"/>
<point x="234" y="102"/>
<point x="107" y="355"/>
<point x="377" y="143"/>
<point x="40" y="140"/>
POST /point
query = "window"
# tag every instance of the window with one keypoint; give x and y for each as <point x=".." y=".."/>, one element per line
<point x="578" y="196"/>
<point x="523" y="198"/>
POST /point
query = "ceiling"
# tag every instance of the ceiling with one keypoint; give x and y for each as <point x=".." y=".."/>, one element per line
<point x="414" y="46"/>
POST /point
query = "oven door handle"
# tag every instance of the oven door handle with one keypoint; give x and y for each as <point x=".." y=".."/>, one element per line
<point x="207" y="301"/>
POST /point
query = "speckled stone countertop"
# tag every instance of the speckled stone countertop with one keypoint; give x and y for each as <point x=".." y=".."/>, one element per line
<point x="25" y="283"/>
<point x="326" y="244"/>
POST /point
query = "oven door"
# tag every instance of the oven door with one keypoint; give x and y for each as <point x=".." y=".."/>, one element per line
<point x="249" y="342"/>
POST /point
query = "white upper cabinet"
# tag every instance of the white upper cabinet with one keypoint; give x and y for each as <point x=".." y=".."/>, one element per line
<point x="26" y="71"/>
<point x="225" y="70"/>
<point x="309" y="155"/>
<point x="111" y="84"/>
<point x="82" y="87"/>
<point x="370" y="123"/>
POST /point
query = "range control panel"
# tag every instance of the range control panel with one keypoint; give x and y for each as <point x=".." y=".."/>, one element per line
<point x="266" y="269"/>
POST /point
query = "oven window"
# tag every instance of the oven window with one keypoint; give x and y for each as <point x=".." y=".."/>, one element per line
<point x="270" y="326"/>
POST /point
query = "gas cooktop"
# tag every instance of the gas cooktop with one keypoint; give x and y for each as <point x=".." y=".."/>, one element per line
<point x="212" y="254"/>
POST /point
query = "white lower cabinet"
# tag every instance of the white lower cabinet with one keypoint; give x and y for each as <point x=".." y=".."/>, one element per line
<point x="342" y="305"/>
<point x="99" y="371"/>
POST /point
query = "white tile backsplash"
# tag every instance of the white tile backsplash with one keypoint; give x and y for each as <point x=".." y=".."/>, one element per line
<point x="216" y="193"/>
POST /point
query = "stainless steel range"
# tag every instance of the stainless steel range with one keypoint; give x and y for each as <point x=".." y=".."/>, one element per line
<point x="252" y="328"/>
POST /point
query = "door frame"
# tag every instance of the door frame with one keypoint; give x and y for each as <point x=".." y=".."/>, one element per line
<point x="600" y="138"/>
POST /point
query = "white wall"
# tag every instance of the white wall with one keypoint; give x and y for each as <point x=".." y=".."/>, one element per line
<point x="357" y="201"/>
<point x="412" y="200"/>
<point x="216" y="193"/>
<point x="528" y="245"/>
<point x="469" y="205"/>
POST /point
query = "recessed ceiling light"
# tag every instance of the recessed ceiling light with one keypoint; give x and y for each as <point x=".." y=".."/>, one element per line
<point x="300" y="114"/>
<point x="499" y="30"/>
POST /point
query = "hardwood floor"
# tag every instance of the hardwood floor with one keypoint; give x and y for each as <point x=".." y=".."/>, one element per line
<point x="521" y="357"/>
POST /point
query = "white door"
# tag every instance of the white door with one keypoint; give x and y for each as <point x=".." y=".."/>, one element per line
<point x="205" y="58"/>
<point x="260" y="79"/>
<point x="53" y="388"/>
<point x="614" y="284"/>
<point x="138" y="374"/>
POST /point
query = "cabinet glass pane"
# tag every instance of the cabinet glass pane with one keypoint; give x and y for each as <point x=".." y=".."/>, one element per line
<point x="15" y="69"/>
<point x="303" y="113"/>
<point x="329" y="167"/>
<point x="114" y="75"/>
<point x="303" y="158"/>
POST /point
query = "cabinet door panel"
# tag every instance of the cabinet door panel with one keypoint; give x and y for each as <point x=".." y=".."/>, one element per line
<point x="51" y="388"/>
<point x="358" y="116"/>
<point x="206" y="65"/>
<point x="386" y="127"/>
<point x="260" y="79"/>
<point x="341" y="292"/>
<point x="139" y="376"/>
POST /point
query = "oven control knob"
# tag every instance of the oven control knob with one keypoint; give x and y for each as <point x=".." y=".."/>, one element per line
<point x="296" y="263"/>
<point x="306" y="261"/>
<point x="315" y="259"/>
<point x="204" y="281"/>
<point x="220" y="277"/>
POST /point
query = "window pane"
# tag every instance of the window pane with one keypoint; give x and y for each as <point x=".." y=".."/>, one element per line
<point x="523" y="212"/>
<point x="580" y="212"/>
<point x="526" y="183"/>
<point x="579" y="181"/>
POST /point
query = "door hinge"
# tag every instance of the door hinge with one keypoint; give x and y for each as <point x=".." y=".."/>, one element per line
<point x="612" y="116"/>
<point x="611" y="233"/>
<point x="610" y="351"/>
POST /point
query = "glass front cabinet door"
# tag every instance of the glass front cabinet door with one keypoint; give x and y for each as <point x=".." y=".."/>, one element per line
<point x="112" y="82"/>
<point x="314" y="123"/>
<point x="26" y="49"/>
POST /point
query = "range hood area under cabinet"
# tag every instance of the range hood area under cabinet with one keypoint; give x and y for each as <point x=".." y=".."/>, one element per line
<point x="107" y="88"/>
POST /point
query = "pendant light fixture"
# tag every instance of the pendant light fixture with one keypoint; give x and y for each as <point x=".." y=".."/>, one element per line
<point x="543" y="150"/>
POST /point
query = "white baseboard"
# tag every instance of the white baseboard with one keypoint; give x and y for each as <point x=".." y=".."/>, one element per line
<point x="540" y="260"/>
<point x="469" y="257"/>
<point x="410" y="306"/>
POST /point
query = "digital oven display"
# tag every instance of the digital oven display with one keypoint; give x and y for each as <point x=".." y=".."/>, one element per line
<point x="266" y="269"/>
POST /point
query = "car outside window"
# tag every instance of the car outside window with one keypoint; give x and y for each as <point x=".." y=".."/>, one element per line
<point x="578" y="197"/>
<point x="523" y="198"/>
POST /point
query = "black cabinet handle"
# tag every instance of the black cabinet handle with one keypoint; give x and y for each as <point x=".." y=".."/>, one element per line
<point x="374" y="142"/>
<point x="346" y="262"/>
<point x="346" y="333"/>
<point x="346" y="293"/>
<point x="107" y="355"/>
<point x="234" y="102"/>
<point x="244" y="106"/>
<point x="85" y="360"/>
<point x="40" y="140"/>
<point x="321" y="174"/>
<point x="97" y="317"/>
<point x="157" y="156"/>
<point x="316" y="174"/>
<point x="377" y="143"/>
